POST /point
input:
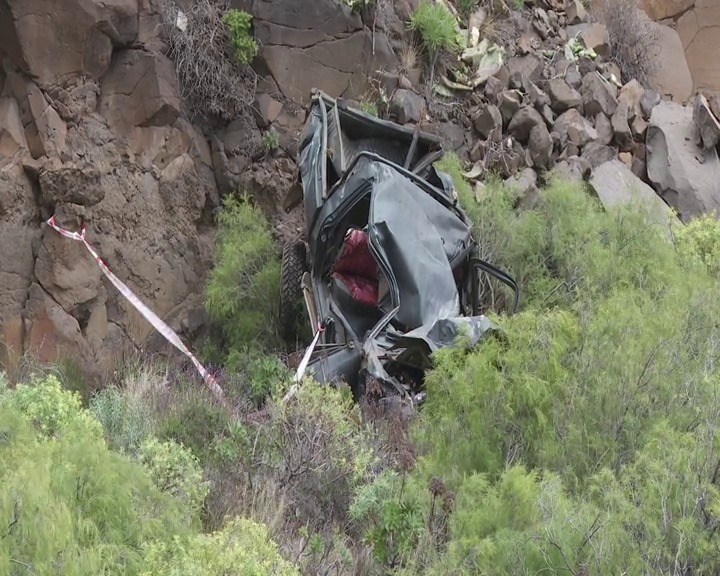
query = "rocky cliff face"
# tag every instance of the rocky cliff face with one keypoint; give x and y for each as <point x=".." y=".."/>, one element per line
<point x="92" y="129"/>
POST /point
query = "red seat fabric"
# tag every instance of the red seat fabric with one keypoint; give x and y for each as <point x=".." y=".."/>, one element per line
<point x="357" y="268"/>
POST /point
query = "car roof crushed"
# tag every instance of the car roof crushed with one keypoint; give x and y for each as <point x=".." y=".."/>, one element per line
<point x="393" y="272"/>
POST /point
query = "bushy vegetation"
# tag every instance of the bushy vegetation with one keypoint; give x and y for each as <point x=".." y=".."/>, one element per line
<point x="241" y="547"/>
<point x="244" y="45"/>
<point x="582" y="439"/>
<point x="437" y="28"/>
<point x="243" y="289"/>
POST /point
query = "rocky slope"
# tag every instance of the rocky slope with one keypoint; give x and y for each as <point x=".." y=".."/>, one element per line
<point x="93" y="129"/>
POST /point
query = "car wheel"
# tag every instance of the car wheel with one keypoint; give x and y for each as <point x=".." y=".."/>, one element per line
<point x="292" y="268"/>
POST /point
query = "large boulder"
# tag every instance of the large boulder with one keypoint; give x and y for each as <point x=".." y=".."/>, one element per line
<point x="45" y="130"/>
<point x="707" y="124"/>
<point x="662" y="9"/>
<point x="616" y="185"/>
<point x="319" y="44"/>
<point x="140" y="89"/>
<point x="672" y="77"/>
<point x="683" y="173"/>
<point x="51" y="41"/>
<point x="699" y="31"/>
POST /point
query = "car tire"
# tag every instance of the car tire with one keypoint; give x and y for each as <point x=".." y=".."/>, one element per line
<point x="292" y="268"/>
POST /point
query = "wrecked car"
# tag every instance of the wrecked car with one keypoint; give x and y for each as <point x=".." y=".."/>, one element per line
<point x="388" y="272"/>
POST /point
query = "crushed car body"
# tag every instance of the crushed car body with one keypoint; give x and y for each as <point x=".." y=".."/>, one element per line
<point x="388" y="272"/>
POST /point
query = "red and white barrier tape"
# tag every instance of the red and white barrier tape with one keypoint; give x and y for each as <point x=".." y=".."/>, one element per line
<point x="303" y="365"/>
<point x="148" y="314"/>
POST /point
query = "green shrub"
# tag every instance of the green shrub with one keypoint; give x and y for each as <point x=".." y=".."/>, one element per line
<point x="369" y="107"/>
<point x="699" y="241"/>
<point x="264" y="376"/>
<point x="467" y="6"/>
<point x="270" y="140"/>
<point x="393" y="516"/>
<point x="194" y="420"/>
<point x="243" y="288"/>
<point x="51" y="409"/>
<point x="317" y="449"/>
<point x="241" y="547"/>
<point x="126" y="421"/>
<point x="521" y="524"/>
<point x="437" y="28"/>
<point x="175" y="469"/>
<point x="69" y="505"/>
<point x="583" y="439"/>
<point x="244" y="45"/>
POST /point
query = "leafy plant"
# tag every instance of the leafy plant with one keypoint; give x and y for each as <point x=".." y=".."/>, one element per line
<point x="437" y="28"/>
<point x="699" y="241"/>
<point x="393" y="517"/>
<point x="244" y="45"/>
<point x="270" y="140"/>
<point x="317" y="449"/>
<point x="467" y="6"/>
<point x="244" y="283"/>
<point x="126" y="421"/>
<point x="243" y="546"/>
<point x="193" y="420"/>
<point x="369" y="107"/>
<point x="174" y="469"/>
<point x="51" y="409"/>
<point x="70" y="506"/>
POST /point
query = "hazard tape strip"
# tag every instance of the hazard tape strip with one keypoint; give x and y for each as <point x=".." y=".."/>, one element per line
<point x="303" y="365"/>
<point x="148" y="314"/>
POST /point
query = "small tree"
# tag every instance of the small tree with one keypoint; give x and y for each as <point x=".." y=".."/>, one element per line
<point x="244" y="284"/>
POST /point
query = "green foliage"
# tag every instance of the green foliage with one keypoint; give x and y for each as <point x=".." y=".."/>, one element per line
<point x="126" y="421"/>
<point x="264" y="375"/>
<point x="583" y="440"/>
<point x="194" y="420"/>
<point x="317" y="448"/>
<point x="369" y="107"/>
<point x="436" y="25"/>
<point x="699" y="241"/>
<point x="392" y="515"/>
<point x="244" y="284"/>
<point x="521" y="524"/>
<point x="238" y="23"/>
<point x="175" y="470"/>
<point x="466" y="6"/>
<point x="51" y="409"/>
<point x="243" y="546"/>
<point x="69" y="505"/>
<point x="270" y="140"/>
<point x="231" y="444"/>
